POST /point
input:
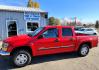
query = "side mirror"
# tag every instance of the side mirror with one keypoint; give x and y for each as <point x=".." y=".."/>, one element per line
<point x="41" y="36"/>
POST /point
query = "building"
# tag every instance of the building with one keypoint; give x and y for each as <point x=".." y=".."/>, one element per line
<point x="20" y="20"/>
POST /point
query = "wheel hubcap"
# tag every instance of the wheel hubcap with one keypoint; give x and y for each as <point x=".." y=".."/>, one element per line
<point x="84" y="50"/>
<point x="21" y="59"/>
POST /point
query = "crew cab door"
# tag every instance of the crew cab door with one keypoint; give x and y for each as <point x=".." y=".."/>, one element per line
<point x="49" y="42"/>
<point x="67" y="40"/>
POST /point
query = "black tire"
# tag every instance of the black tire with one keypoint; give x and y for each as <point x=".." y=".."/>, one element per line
<point x="95" y="34"/>
<point x="83" y="50"/>
<point x="21" y="58"/>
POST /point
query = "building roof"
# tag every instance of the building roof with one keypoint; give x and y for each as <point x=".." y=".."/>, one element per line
<point x="20" y="9"/>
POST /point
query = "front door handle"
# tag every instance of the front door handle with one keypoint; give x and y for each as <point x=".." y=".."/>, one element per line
<point x="56" y="40"/>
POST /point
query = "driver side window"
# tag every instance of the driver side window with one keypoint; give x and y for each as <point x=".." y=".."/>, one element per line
<point x="51" y="33"/>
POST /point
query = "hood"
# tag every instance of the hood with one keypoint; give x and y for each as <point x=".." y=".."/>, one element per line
<point x="18" y="38"/>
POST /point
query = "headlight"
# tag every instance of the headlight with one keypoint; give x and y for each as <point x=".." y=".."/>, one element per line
<point x="5" y="45"/>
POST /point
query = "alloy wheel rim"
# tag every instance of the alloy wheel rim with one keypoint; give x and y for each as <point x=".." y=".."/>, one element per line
<point x="84" y="50"/>
<point x="21" y="59"/>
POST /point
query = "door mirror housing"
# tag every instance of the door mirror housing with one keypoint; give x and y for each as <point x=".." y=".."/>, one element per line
<point x="41" y="36"/>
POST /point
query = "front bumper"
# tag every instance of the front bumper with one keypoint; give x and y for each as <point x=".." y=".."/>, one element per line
<point x="4" y="53"/>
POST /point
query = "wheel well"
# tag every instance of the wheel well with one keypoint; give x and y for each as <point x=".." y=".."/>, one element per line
<point x="22" y="48"/>
<point x="88" y="43"/>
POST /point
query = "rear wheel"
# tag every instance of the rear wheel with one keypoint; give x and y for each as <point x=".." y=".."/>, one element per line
<point x="21" y="58"/>
<point x="83" y="50"/>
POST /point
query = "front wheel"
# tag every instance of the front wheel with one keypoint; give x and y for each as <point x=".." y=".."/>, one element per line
<point x="21" y="58"/>
<point x="83" y="50"/>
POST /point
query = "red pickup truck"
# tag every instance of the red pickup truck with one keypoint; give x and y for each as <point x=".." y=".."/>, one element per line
<point x="46" y="40"/>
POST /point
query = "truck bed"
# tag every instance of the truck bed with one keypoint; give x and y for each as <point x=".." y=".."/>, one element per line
<point x="92" y="38"/>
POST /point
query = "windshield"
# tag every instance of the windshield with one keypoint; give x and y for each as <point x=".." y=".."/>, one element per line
<point x="36" y="31"/>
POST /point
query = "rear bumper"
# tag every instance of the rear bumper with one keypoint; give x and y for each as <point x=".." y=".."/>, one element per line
<point x="4" y="53"/>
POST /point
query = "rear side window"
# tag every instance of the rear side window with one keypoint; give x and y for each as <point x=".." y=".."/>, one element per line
<point x="67" y="32"/>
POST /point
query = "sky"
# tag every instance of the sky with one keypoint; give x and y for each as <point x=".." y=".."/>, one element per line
<point x="84" y="10"/>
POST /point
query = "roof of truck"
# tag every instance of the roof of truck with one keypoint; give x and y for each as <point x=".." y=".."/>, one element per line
<point x="49" y="26"/>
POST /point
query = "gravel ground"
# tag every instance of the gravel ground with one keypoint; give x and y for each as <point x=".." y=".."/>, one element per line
<point x="65" y="61"/>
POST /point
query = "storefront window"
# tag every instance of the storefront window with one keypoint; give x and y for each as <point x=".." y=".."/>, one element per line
<point x="31" y="26"/>
<point x="12" y="28"/>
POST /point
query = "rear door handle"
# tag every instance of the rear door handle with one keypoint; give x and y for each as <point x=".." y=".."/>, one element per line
<point x="71" y="39"/>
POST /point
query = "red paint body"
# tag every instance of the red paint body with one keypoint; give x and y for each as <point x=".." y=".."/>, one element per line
<point x="45" y="46"/>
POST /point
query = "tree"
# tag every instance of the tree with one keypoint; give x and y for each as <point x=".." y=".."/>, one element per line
<point x="30" y="3"/>
<point x="57" y="22"/>
<point x="97" y="24"/>
<point x="51" y="21"/>
<point x="33" y="4"/>
<point x="73" y="24"/>
<point x="84" y="25"/>
<point x="36" y="5"/>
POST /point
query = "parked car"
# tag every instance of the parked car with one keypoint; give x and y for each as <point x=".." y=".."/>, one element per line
<point x="44" y="41"/>
<point x="90" y="31"/>
<point x="78" y="27"/>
